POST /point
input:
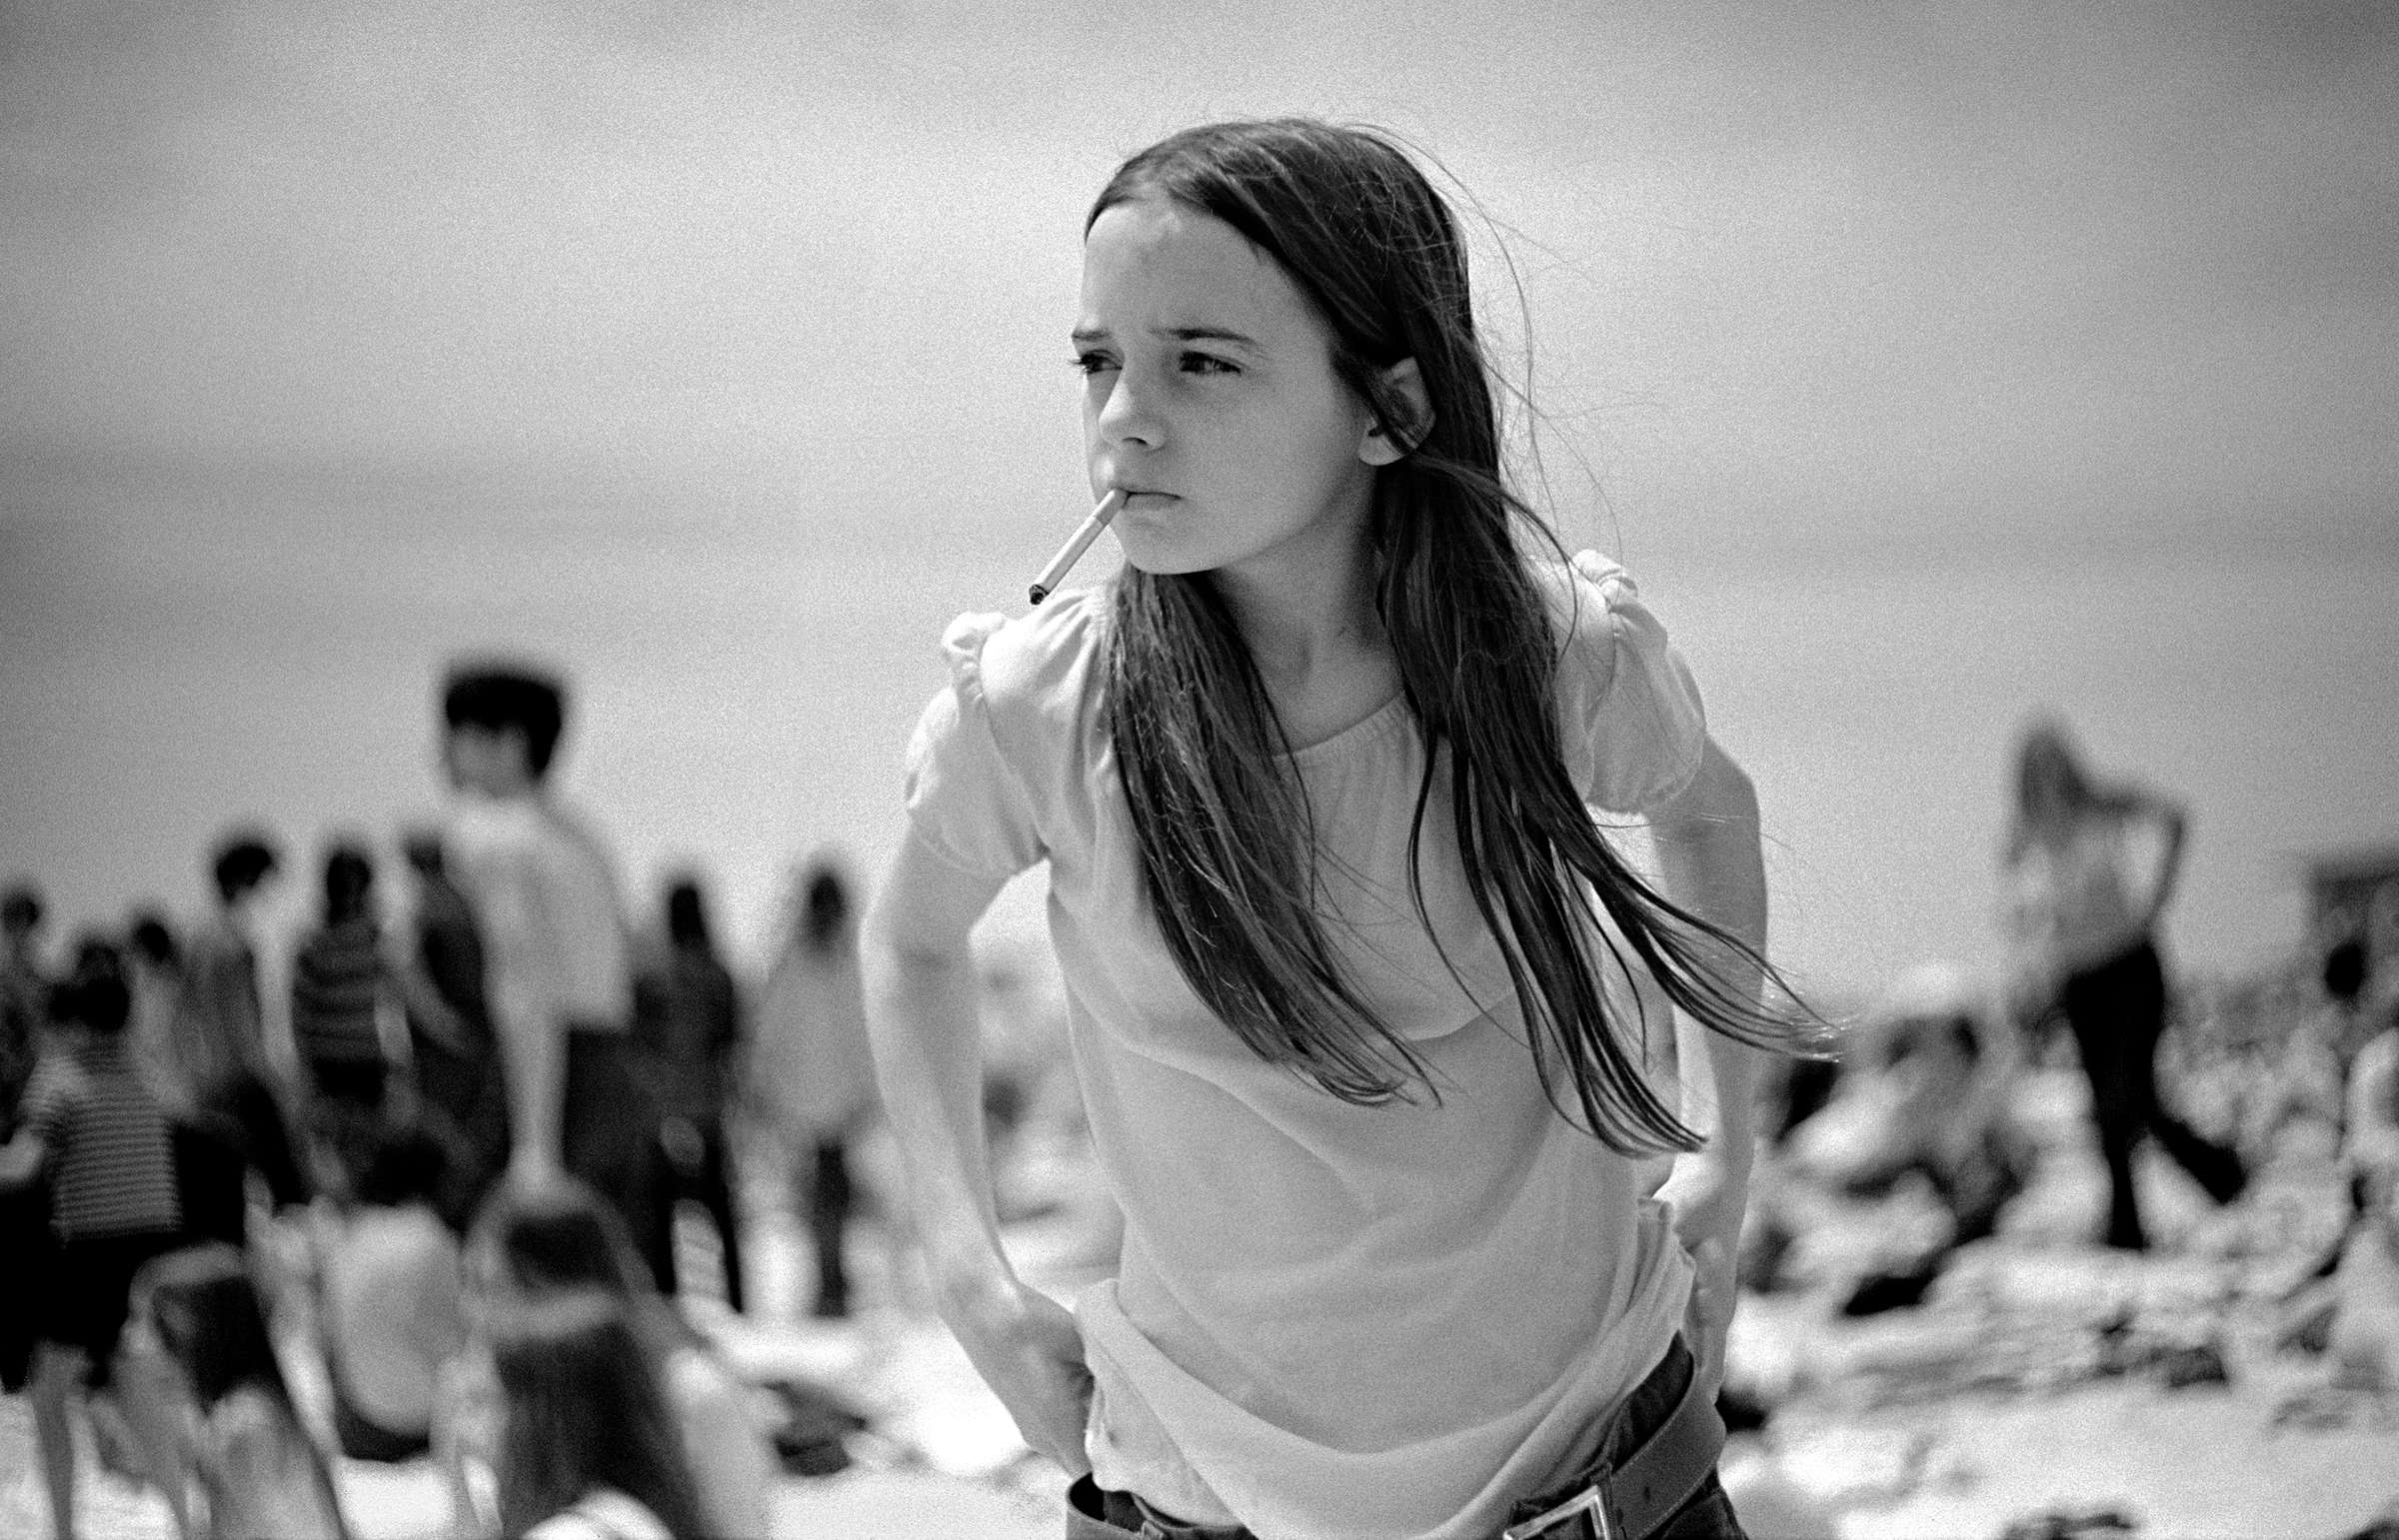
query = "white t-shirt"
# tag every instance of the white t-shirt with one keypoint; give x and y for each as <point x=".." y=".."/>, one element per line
<point x="545" y="894"/>
<point x="1330" y="1320"/>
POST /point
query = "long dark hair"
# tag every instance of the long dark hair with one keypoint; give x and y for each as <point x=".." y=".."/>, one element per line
<point x="584" y="1409"/>
<point x="204" y="1310"/>
<point x="1223" y="824"/>
<point x="2053" y="784"/>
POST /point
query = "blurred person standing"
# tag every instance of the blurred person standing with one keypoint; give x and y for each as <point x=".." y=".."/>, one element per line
<point x="557" y="973"/>
<point x="811" y="1067"/>
<point x="687" y="1021"/>
<point x="226" y="1021"/>
<point x="157" y="979"/>
<point x="95" y="1136"/>
<point x="2084" y="925"/>
<point x="24" y="996"/>
<point x="24" y="1228"/>
<point x="459" y="1079"/>
<point x="343" y="987"/>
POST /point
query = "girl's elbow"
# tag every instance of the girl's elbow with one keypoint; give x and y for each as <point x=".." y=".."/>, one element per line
<point x="1720" y="797"/>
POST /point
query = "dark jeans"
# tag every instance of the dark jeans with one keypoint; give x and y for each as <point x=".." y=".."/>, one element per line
<point x="2117" y="1010"/>
<point x="462" y="1101"/>
<point x="1094" y="1513"/>
<point x="31" y="1255"/>
<point x="611" y="1126"/>
<point x="831" y="1200"/>
<point x="691" y="1163"/>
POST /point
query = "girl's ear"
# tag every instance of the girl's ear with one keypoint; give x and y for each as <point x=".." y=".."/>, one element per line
<point x="1386" y="442"/>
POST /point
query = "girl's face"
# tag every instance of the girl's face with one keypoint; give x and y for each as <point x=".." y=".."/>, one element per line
<point x="1211" y="399"/>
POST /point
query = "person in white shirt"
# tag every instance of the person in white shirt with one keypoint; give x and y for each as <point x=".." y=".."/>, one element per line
<point x="558" y="975"/>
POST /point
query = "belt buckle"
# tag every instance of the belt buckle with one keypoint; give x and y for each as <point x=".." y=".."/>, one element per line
<point x="1559" y="1523"/>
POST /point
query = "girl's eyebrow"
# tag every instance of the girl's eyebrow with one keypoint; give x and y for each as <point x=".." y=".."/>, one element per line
<point x="1090" y="336"/>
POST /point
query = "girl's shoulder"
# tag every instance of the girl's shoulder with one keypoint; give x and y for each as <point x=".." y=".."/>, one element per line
<point x="1630" y="716"/>
<point x="1003" y="760"/>
<point x="1043" y="661"/>
<point x="1591" y="600"/>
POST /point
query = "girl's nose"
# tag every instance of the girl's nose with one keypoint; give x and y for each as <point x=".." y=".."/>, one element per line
<point x="1125" y="417"/>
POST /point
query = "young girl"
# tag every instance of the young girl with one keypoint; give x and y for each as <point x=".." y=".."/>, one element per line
<point x="2086" y="936"/>
<point x="587" y="1446"/>
<point x="236" y="1453"/>
<point x="1349" y="961"/>
<point x="558" y="1243"/>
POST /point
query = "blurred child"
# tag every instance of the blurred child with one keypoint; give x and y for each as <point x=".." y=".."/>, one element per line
<point x="388" y="1305"/>
<point x="96" y="1134"/>
<point x="247" y="1466"/>
<point x="547" y="1240"/>
<point x="340" y="986"/>
<point x="810" y="1069"/>
<point x="588" y="1447"/>
<point x="688" y="1018"/>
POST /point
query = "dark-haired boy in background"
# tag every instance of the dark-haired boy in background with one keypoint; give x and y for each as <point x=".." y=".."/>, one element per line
<point x="557" y="973"/>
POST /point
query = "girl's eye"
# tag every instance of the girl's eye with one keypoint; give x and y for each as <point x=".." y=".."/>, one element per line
<point x="1207" y="364"/>
<point x="1092" y="363"/>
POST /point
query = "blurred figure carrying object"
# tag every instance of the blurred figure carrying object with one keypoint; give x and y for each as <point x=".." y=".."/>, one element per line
<point x="2083" y="933"/>
<point x="810" y="1069"/>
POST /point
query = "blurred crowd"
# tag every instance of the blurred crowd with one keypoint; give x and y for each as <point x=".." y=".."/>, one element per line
<point x="404" y="1185"/>
<point x="1940" y="1131"/>
<point x="283" y="1207"/>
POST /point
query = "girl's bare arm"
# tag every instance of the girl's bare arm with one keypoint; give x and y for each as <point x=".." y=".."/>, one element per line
<point x="1709" y="861"/>
<point x="915" y="952"/>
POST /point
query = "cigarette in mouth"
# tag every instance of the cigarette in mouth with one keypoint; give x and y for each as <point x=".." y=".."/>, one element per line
<point x="1076" y="544"/>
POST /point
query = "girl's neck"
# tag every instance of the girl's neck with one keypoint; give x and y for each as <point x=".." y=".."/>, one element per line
<point x="1309" y="620"/>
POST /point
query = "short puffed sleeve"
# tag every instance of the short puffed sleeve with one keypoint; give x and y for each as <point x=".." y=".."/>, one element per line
<point x="964" y="800"/>
<point x="1629" y="716"/>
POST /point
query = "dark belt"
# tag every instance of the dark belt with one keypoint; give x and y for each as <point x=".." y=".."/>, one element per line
<point x="1629" y="1502"/>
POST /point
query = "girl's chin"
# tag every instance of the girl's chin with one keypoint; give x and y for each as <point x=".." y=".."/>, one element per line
<point x="1164" y="563"/>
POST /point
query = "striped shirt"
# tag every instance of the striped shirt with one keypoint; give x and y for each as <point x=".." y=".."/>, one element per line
<point x="112" y="1162"/>
<point x="338" y="979"/>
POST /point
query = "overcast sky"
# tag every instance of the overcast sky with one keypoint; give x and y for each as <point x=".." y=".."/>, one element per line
<point x="720" y="351"/>
<point x="1871" y="270"/>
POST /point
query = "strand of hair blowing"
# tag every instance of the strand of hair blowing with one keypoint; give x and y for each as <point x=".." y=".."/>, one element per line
<point x="1221" y="821"/>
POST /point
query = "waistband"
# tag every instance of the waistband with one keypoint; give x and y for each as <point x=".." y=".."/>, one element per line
<point x="1656" y="1453"/>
